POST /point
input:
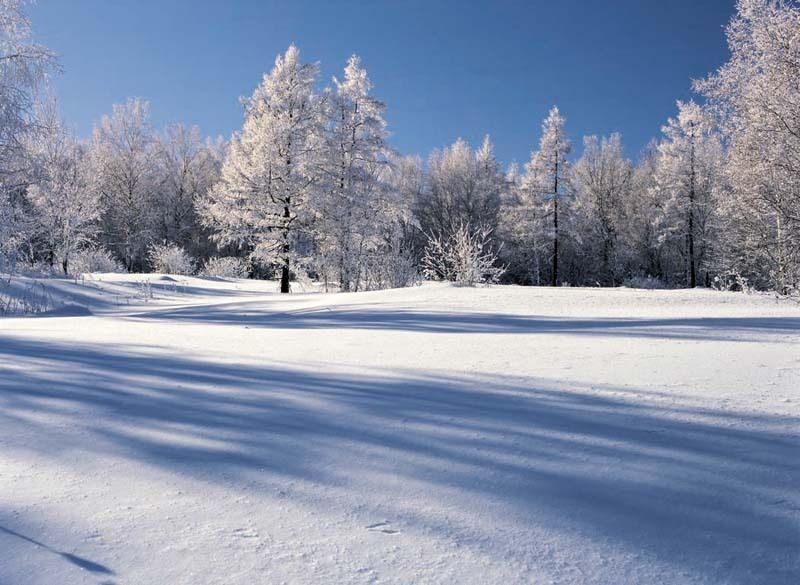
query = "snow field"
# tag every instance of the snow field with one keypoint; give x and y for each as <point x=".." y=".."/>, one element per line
<point x="217" y="432"/>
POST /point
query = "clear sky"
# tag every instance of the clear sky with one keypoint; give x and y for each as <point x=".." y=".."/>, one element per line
<point x="446" y="69"/>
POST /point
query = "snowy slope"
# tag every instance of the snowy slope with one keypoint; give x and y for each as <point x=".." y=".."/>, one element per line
<point x="217" y="432"/>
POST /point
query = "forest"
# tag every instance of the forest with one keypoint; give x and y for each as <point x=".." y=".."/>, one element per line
<point x="311" y="188"/>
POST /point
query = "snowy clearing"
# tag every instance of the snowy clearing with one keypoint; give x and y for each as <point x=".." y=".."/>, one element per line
<point x="192" y="430"/>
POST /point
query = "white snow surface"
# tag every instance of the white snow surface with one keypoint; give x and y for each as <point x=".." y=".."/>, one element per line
<point x="219" y="432"/>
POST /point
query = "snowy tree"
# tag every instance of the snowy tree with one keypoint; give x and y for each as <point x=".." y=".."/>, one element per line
<point x="23" y="68"/>
<point x="546" y="180"/>
<point x="463" y="187"/>
<point x="756" y="96"/>
<point x="601" y="183"/>
<point x="124" y="173"/>
<point x="9" y="228"/>
<point x="186" y="168"/>
<point x="645" y="218"/>
<point x="394" y="263"/>
<point x="491" y="184"/>
<point x="271" y="170"/>
<point x="687" y="173"/>
<point x="459" y="202"/>
<point x="66" y="207"/>
<point x="18" y="229"/>
<point x="522" y="228"/>
<point x="353" y="206"/>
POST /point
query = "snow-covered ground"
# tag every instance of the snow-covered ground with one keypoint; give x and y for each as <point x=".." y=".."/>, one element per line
<point x="221" y="433"/>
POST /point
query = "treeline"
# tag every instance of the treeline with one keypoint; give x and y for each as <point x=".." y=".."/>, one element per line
<point x="309" y="187"/>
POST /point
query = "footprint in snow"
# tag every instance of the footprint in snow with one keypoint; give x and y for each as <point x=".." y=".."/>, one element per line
<point x="382" y="527"/>
<point x="245" y="533"/>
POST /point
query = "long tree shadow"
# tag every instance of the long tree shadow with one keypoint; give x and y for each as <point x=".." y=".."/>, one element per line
<point x="700" y="488"/>
<point x="257" y="314"/>
<point x="78" y="561"/>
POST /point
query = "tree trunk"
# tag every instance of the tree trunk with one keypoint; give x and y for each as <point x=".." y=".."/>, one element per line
<point x="344" y="272"/>
<point x="692" y="267"/>
<point x="555" y="226"/>
<point x="536" y="277"/>
<point x="555" y="242"/>
<point x="285" y="249"/>
<point x="781" y="285"/>
<point x="285" y="276"/>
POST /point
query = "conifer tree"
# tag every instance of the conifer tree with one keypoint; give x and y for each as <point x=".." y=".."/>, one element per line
<point x="547" y="175"/>
<point x="269" y="176"/>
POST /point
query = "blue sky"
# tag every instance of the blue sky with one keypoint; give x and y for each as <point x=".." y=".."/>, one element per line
<point x="446" y="69"/>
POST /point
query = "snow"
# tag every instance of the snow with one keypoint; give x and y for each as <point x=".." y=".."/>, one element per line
<point x="213" y="431"/>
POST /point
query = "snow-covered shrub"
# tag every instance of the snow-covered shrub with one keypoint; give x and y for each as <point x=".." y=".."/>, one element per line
<point x="170" y="259"/>
<point x="91" y="260"/>
<point x="645" y="282"/>
<point x="465" y="257"/>
<point x="731" y="280"/>
<point x="302" y="280"/>
<point x="402" y="271"/>
<point x="226" y="267"/>
<point x="36" y="270"/>
<point x="8" y="256"/>
<point x="389" y="267"/>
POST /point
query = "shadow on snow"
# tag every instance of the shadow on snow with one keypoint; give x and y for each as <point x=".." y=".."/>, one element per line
<point x="699" y="488"/>
<point x="80" y="562"/>
<point x="257" y="314"/>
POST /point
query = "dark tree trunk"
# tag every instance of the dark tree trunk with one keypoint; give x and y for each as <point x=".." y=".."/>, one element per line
<point x="285" y="249"/>
<point x="285" y="276"/>
<point x="555" y="226"/>
<point x="692" y="267"/>
<point x="555" y="242"/>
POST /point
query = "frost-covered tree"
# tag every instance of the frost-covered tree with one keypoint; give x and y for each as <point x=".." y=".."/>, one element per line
<point x="458" y="205"/>
<point x="546" y="181"/>
<point x="394" y="263"/>
<point x="186" y="168"/>
<point x="66" y="207"/>
<point x="601" y="182"/>
<point x="271" y="170"/>
<point x="463" y="187"/>
<point x="687" y="173"/>
<point x="23" y="68"/>
<point x="352" y="207"/>
<point x="522" y="227"/>
<point x="125" y="177"/>
<point x="756" y="96"/>
<point x="11" y="223"/>
<point x="644" y="213"/>
<point x="18" y="228"/>
<point x="491" y="183"/>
